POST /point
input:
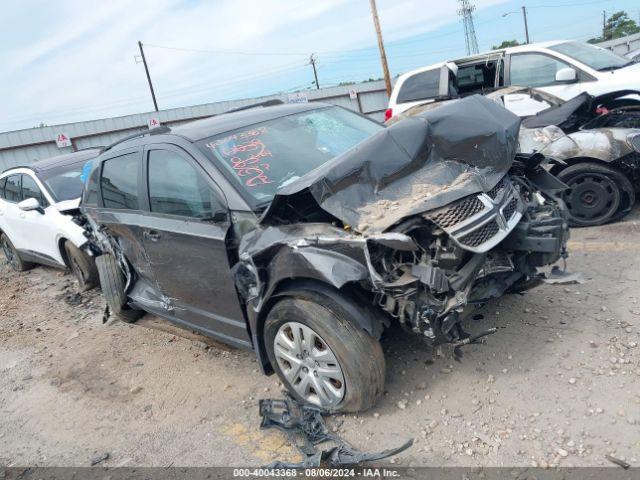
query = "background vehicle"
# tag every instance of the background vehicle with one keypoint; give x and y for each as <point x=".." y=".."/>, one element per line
<point x="594" y="142"/>
<point x="596" y="148"/>
<point x="561" y="68"/>
<point x="634" y="55"/>
<point x="37" y="205"/>
<point x="267" y="229"/>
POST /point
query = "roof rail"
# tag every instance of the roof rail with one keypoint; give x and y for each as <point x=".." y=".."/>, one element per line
<point x="153" y="131"/>
<point x="30" y="167"/>
<point x="266" y="103"/>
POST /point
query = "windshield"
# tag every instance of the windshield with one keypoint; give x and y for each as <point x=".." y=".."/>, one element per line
<point x="64" y="182"/>
<point x="264" y="157"/>
<point x="594" y="57"/>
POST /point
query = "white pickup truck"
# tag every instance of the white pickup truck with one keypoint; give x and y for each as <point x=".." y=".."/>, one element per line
<point x="562" y="68"/>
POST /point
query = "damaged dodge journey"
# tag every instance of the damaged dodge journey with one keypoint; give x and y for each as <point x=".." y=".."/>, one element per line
<point x="302" y="231"/>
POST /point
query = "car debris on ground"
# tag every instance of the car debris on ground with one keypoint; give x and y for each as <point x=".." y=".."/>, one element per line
<point x="305" y="427"/>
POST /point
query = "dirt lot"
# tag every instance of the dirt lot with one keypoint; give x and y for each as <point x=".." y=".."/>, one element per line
<point x="558" y="384"/>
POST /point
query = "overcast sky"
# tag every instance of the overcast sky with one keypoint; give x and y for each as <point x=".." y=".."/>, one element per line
<point x="73" y="60"/>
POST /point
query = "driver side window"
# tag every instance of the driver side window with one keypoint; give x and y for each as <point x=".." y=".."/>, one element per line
<point x="176" y="187"/>
<point x="534" y="69"/>
<point x="30" y="189"/>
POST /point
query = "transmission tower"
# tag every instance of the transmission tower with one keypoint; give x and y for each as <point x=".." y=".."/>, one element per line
<point x="466" y="12"/>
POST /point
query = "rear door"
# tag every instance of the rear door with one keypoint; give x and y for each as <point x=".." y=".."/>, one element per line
<point x="120" y="208"/>
<point x="3" y="206"/>
<point x="9" y="211"/>
<point x="184" y="238"/>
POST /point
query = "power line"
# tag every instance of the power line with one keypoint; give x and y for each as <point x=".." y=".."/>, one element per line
<point x="569" y="4"/>
<point x="223" y="52"/>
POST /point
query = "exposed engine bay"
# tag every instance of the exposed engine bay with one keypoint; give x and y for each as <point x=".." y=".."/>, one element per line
<point x="495" y="217"/>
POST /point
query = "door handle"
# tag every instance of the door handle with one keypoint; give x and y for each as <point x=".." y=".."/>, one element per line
<point x="21" y="215"/>
<point x="151" y="235"/>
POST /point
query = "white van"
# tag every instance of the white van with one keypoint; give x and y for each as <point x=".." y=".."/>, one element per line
<point x="562" y="68"/>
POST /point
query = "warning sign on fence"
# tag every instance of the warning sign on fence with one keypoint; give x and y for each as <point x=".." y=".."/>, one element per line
<point x="63" y="140"/>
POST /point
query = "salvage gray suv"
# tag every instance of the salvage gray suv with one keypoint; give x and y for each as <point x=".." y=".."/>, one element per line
<point x="301" y="231"/>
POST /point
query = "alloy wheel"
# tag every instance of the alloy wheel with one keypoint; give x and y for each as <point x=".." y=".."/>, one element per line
<point x="309" y="365"/>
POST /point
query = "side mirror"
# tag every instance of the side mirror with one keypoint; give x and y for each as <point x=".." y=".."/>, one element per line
<point x="30" y="204"/>
<point x="566" y="75"/>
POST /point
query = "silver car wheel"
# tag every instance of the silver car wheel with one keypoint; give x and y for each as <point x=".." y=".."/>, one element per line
<point x="309" y="365"/>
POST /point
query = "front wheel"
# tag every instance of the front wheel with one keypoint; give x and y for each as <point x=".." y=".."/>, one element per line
<point x="597" y="194"/>
<point x="322" y="356"/>
<point x="112" y="282"/>
<point x="82" y="266"/>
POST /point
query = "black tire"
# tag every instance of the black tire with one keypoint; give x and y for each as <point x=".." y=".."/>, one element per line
<point x="112" y="282"/>
<point x="597" y="194"/>
<point x="82" y="266"/>
<point x="360" y="356"/>
<point x="12" y="256"/>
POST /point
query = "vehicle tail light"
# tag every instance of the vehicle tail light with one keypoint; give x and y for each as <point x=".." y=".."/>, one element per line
<point x="388" y="114"/>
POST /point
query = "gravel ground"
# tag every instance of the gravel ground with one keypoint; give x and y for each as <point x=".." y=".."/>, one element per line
<point x="557" y="385"/>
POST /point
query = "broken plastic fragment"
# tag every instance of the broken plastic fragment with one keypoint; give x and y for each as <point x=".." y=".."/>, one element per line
<point x="306" y="429"/>
<point x="562" y="277"/>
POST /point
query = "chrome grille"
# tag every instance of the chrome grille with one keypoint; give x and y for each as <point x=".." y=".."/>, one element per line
<point x="457" y="213"/>
<point x="479" y="222"/>
<point x="495" y="191"/>
<point x="481" y="235"/>
<point x="510" y="209"/>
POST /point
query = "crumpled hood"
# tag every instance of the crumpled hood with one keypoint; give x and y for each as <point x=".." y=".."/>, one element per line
<point x="67" y="205"/>
<point x="416" y="165"/>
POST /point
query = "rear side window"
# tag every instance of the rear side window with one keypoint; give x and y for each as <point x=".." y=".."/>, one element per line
<point x="420" y="86"/>
<point x="119" y="182"/>
<point x="2" y="182"/>
<point x="30" y="189"/>
<point x="176" y="187"/>
<point x="12" y="189"/>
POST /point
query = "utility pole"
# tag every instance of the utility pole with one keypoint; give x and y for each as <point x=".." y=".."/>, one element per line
<point x="146" y="69"/>
<point x="383" y="55"/>
<point x="604" y="22"/>
<point x="312" y="62"/>
<point x="526" y="26"/>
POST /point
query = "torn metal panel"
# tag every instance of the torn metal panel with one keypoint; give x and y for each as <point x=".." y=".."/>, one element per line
<point x="416" y="165"/>
<point x="606" y="144"/>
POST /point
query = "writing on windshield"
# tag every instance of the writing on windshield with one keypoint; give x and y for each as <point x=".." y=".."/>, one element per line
<point x="247" y="155"/>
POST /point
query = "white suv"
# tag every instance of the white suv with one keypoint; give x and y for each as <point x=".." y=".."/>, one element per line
<point x="37" y="207"/>
<point x="562" y="68"/>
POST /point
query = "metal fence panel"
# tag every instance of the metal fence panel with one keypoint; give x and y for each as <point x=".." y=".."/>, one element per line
<point x="23" y="147"/>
